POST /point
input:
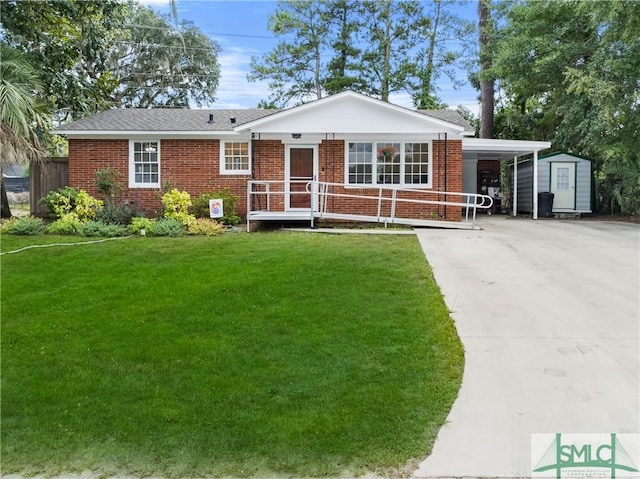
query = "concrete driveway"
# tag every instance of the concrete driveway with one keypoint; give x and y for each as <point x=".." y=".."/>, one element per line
<point x="548" y="312"/>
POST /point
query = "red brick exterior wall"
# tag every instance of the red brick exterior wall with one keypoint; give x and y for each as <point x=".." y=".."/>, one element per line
<point x="194" y="166"/>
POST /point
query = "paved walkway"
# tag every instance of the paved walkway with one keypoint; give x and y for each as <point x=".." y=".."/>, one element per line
<point x="548" y="312"/>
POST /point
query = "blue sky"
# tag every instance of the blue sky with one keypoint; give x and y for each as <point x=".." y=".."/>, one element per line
<point x="240" y="28"/>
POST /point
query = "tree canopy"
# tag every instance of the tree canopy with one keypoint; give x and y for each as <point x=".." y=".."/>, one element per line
<point x="569" y="72"/>
<point x="98" y="54"/>
<point x="376" y="47"/>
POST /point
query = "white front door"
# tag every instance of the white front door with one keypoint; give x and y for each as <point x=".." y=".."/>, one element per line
<point x="563" y="186"/>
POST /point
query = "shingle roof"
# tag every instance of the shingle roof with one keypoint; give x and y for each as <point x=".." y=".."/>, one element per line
<point x="164" y="119"/>
<point x="185" y="120"/>
<point x="451" y="116"/>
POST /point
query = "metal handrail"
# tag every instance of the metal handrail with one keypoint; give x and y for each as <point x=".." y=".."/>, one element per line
<point x="320" y="192"/>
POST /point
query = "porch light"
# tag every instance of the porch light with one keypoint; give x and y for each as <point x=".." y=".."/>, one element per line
<point x="296" y="135"/>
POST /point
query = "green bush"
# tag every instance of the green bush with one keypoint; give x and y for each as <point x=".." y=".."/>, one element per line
<point x="109" y="182"/>
<point x="200" y="207"/>
<point x="206" y="227"/>
<point x="139" y="223"/>
<point x="101" y="229"/>
<point x="26" y="225"/>
<point x="60" y="202"/>
<point x="118" y="213"/>
<point x="70" y="200"/>
<point x="168" y="227"/>
<point x="68" y="224"/>
<point x="176" y="205"/>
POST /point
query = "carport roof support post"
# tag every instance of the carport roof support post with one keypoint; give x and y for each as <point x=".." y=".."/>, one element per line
<point x="535" y="184"/>
<point x="514" y="193"/>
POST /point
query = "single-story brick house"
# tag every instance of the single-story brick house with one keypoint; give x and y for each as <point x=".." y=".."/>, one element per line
<point x="352" y="144"/>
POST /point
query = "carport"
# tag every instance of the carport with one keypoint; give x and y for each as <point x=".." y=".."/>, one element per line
<point x="478" y="150"/>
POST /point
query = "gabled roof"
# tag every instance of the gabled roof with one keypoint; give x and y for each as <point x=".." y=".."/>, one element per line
<point x="556" y="153"/>
<point x="162" y="120"/>
<point x="351" y="112"/>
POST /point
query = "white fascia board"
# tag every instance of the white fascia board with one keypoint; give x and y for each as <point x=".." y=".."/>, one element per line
<point x="115" y="134"/>
<point x="520" y="147"/>
<point x="261" y="124"/>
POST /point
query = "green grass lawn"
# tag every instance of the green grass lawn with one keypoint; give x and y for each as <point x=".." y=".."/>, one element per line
<point x="239" y="355"/>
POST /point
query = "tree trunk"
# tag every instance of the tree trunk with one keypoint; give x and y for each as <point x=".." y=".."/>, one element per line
<point x="386" y="67"/>
<point x="6" y="211"/>
<point x="486" y="83"/>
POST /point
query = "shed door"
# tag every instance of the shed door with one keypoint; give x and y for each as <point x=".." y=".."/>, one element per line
<point x="563" y="186"/>
<point x="300" y="173"/>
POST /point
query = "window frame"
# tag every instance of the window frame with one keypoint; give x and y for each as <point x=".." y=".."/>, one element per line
<point x="132" y="164"/>
<point x="375" y="164"/>
<point x="223" y="163"/>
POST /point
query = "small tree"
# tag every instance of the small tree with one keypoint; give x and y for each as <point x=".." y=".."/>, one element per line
<point x="22" y="113"/>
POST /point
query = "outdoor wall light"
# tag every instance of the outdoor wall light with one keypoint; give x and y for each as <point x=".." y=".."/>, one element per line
<point x="296" y="135"/>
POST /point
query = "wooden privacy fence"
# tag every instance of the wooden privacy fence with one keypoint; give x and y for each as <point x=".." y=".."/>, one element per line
<point x="47" y="176"/>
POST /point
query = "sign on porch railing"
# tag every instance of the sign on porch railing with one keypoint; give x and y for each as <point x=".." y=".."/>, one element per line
<point x="216" y="209"/>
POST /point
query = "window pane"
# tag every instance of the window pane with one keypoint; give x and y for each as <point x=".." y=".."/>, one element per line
<point x="236" y="156"/>
<point x="360" y="163"/>
<point x="388" y="163"/>
<point x="563" y="179"/>
<point x="146" y="162"/>
<point x="416" y="163"/>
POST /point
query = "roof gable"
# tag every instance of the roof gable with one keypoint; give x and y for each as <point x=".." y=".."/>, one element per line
<point x="350" y="112"/>
<point x="566" y="154"/>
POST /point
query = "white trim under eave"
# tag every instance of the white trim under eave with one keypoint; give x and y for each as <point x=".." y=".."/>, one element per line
<point x="520" y="147"/>
<point x="165" y="135"/>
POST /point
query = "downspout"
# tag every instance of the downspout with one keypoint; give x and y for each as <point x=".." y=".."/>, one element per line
<point x="535" y="185"/>
<point x="253" y="165"/>
<point x="446" y="156"/>
<point x="333" y="169"/>
<point x="514" y="193"/>
<point x="439" y="170"/>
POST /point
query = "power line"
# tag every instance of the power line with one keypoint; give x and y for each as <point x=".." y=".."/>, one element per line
<point x="240" y="35"/>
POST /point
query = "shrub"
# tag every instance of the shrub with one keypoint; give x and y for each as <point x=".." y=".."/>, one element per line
<point x="109" y="183"/>
<point x="118" y="213"/>
<point x="68" y="224"/>
<point x="168" y="227"/>
<point x="61" y="202"/>
<point x="86" y="206"/>
<point x="176" y="205"/>
<point x="26" y="225"/>
<point x="69" y="200"/>
<point x="139" y="223"/>
<point x="200" y="207"/>
<point x="207" y="227"/>
<point x="101" y="229"/>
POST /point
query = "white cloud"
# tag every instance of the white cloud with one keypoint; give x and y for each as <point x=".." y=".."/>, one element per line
<point x="234" y="90"/>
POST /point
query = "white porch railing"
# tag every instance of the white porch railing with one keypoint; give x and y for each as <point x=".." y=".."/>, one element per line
<point x="262" y="203"/>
